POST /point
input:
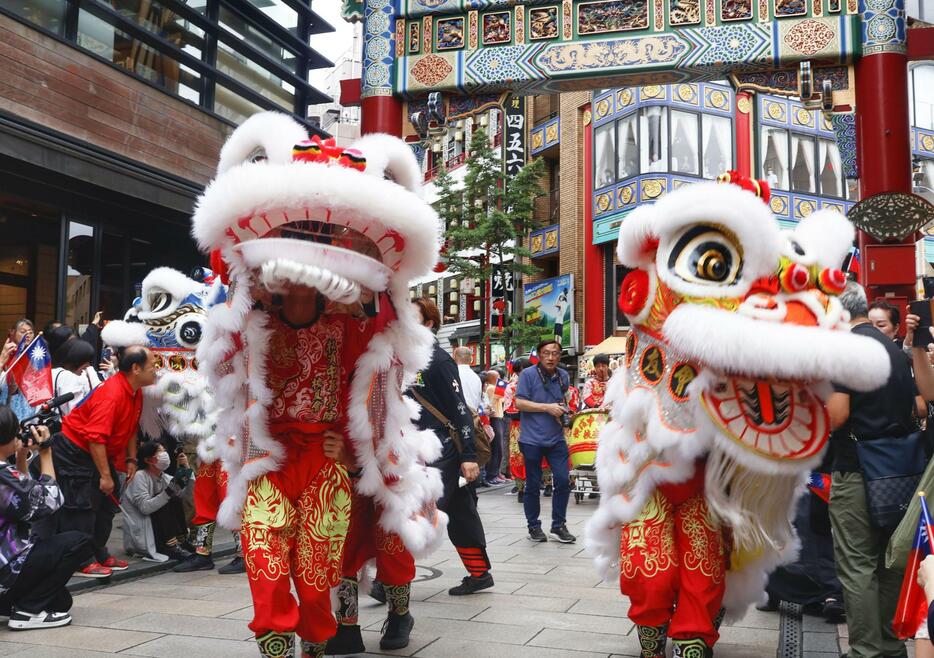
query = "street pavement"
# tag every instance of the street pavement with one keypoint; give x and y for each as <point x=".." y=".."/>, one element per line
<point x="548" y="602"/>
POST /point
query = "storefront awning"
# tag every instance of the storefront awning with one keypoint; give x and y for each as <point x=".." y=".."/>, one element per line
<point x="611" y="345"/>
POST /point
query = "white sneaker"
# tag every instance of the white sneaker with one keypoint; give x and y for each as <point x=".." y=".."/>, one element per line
<point x="25" y="621"/>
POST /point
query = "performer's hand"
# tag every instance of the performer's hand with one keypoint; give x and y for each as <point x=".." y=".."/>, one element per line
<point x="470" y="471"/>
<point x="107" y="483"/>
<point x="334" y="447"/>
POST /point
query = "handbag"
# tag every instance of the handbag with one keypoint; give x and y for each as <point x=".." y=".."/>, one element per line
<point x="481" y="439"/>
<point x="892" y="468"/>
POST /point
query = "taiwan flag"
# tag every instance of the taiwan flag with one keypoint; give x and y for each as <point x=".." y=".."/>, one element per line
<point x="32" y="371"/>
<point x="912" y="606"/>
<point x="819" y="484"/>
<point x="533" y="357"/>
<point x="500" y="389"/>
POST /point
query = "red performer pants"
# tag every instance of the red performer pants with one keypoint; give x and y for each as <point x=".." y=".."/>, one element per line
<point x="293" y="528"/>
<point x="367" y="540"/>
<point x="210" y="489"/>
<point x="673" y="562"/>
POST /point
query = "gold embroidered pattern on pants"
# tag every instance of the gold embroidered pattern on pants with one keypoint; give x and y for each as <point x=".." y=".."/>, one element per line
<point x="706" y="552"/>
<point x="323" y="519"/>
<point x="647" y="545"/>
<point x="268" y="527"/>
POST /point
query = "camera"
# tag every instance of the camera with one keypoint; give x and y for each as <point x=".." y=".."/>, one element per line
<point x="48" y="415"/>
<point x="566" y="420"/>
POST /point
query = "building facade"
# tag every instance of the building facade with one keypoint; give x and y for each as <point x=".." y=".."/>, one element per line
<point x="111" y="119"/>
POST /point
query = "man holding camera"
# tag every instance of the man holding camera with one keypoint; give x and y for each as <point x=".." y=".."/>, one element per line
<point x="33" y="572"/>
<point x="98" y="438"/>
<point x="541" y="398"/>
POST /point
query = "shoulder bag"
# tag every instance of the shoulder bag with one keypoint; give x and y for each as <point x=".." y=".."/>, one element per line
<point x="481" y="438"/>
<point x="892" y="468"/>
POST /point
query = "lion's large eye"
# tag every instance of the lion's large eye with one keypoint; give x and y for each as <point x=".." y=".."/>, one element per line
<point x="159" y="301"/>
<point x="706" y="255"/>
<point x="257" y="155"/>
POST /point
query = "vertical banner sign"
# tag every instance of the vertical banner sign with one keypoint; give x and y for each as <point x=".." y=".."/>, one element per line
<point x="503" y="295"/>
<point x="514" y="155"/>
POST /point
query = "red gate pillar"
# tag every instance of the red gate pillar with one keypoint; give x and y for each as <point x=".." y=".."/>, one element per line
<point x="381" y="114"/>
<point x="883" y="135"/>
<point x="744" y="136"/>
<point x="593" y="253"/>
<point x="380" y="110"/>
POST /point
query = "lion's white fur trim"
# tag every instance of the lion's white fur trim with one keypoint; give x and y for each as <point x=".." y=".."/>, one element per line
<point x="118" y="333"/>
<point x="826" y="237"/>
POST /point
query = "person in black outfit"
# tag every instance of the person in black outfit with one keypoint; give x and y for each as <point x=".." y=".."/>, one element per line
<point x="870" y="590"/>
<point x="33" y="572"/>
<point x="439" y="385"/>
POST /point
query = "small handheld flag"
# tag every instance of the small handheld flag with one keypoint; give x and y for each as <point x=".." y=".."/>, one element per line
<point x="500" y="389"/>
<point x="32" y="370"/>
<point x="912" y="606"/>
<point x="819" y="484"/>
<point x="533" y="357"/>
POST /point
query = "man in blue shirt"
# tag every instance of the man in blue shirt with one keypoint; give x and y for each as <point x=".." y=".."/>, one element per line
<point x="541" y="400"/>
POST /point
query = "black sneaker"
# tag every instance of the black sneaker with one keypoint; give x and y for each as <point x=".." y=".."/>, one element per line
<point x="378" y="591"/>
<point x="471" y="584"/>
<point x="396" y="630"/>
<point x="548" y="491"/>
<point x="195" y="562"/>
<point x="833" y="611"/>
<point x="348" y="640"/>
<point x="514" y="489"/>
<point x="482" y="483"/>
<point x="562" y="535"/>
<point x="236" y="565"/>
<point x="177" y="553"/>
<point x="536" y="534"/>
<point x="26" y="621"/>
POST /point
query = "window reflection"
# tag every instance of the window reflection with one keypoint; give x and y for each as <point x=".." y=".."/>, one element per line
<point x="717" y="140"/>
<point x="802" y="164"/>
<point x="80" y="268"/>
<point x="49" y="14"/>
<point x="922" y="91"/>
<point x="628" y="153"/>
<point x="604" y="151"/>
<point x="653" y="131"/>
<point x="254" y="76"/>
<point x="831" y="168"/>
<point x="684" y="142"/>
<point x="774" y="149"/>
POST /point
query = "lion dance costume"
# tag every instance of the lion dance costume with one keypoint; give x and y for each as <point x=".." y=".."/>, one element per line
<point x="719" y="416"/>
<point x="169" y="318"/>
<point x="286" y="212"/>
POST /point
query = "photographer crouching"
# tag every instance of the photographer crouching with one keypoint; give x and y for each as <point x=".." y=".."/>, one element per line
<point x="34" y="572"/>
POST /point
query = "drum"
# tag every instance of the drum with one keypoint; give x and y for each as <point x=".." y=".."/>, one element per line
<point x="582" y="441"/>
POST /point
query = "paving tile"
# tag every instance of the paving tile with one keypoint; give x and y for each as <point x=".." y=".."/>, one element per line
<point x="826" y="642"/>
<point x="200" y="608"/>
<point x="488" y="598"/>
<point x="155" y="587"/>
<point x="10" y="648"/>
<point x="175" y="646"/>
<point x="447" y="647"/>
<point x="418" y="640"/>
<point x="748" y="637"/>
<point x="618" y="608"/>
<point x="576" y="640"/>
<point x="487" y="632"/>
<point x="57" y="652"/>
<point x="519" y="616"/>
<point x="80" y="637"/>
<point x="225" y="629"/>
<point x="569" y="592"/>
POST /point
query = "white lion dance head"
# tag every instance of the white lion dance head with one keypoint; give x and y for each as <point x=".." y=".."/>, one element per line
<point x="283" y="210"/>
<point x="169" y="318"/>
<point x="737" y="333"/>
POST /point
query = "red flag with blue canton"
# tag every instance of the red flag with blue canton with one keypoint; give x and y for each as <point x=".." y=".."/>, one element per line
<point x="819" y="484"/>
<point x="33" y="371"/>
<point x="500" y="389"/>
<point x="912" y="606"/>
<point x="533" y="357"/>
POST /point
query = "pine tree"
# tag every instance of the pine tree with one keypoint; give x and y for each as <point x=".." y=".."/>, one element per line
<point x="486" y="222"/>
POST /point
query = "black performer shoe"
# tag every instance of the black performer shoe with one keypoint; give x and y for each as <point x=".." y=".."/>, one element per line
<point x="312" y="649"/>
<point x="396" y="631"/>
<point x="652" y="640"/>
<point x="536" y="534"/>
<point x="236" y="565"/>
<point x="276" y="645"/>
<point x="562" y="535"/>
<point x="195" y="563"/>
<point x="378" y="591"/>
<point x="348" y="640"/>
<point x="471" y="584"/>
<point x="691" y="648"/>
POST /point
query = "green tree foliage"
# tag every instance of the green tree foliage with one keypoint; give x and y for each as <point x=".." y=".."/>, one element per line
<point x="486" y="222"/>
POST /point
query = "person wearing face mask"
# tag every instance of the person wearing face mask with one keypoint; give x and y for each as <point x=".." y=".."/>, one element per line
<point x="153" y="516"/>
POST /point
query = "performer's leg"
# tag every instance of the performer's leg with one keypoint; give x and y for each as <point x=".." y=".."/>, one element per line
<point x="207" y="499"/>
<point x="699" y="541"/>
<point x="516" y="461"/>
<point x="649" y="573"/>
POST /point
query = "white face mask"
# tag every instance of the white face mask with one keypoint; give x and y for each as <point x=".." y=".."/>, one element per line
<point x="162" y="461"/>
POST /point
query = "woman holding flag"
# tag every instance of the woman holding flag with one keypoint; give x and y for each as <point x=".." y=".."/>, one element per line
<point x="24" y="395"/>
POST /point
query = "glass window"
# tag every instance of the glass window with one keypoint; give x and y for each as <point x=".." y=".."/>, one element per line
<point x="102" y="38"/>
<point x="233" y="107"/>
<point x="717" y="142"/>
<point x="628" y="153"/>
<point x="49" y="14"/>
<point x="653" y="134"/>
<point x="253" y="35"/>
<point x="80" y="269"/>
<point x="923" y="92"/>
<point x="254" y="76"/>
<point x="114" y="298"/>
<point x="278" y="11"/>
<point x="831" y="168"/>
<point x="684" y="143"/>
<point x="773" y="145"/>
<point x="605" y="156"/>
<point x="924" y="184"/>
<point x="803" y="172"/>
<point x="162" y="21"/>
